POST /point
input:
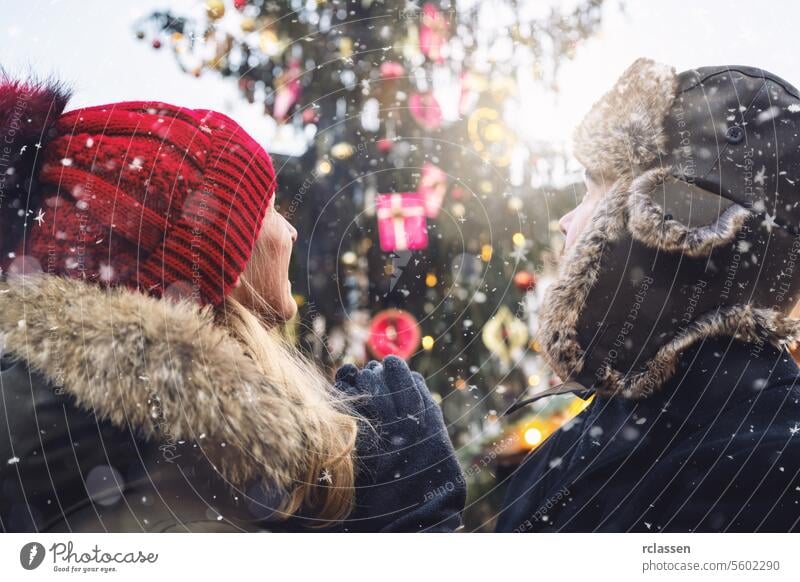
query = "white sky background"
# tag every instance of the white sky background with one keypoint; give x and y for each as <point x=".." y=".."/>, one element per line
<point x="90" y="43"/>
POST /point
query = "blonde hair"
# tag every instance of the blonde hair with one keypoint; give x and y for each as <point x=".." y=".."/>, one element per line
<point x="326" y="490"/>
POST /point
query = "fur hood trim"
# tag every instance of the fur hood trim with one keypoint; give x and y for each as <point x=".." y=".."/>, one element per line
<point x="580" y="270"/>
<point x="623" y="133"/>
<point x="159" y="367"/>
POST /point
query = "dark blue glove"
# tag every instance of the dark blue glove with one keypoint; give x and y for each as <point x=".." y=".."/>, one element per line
<point x="408" y="478"/>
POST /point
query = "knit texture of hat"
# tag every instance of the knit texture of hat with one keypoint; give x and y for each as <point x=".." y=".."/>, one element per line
<point x="152" y="196"/>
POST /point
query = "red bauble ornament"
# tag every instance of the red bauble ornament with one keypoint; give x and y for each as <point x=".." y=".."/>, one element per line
<point x="425" y="110"/>
<point x="392" y="70"/>
<point x="525" y="281"/>
<point x="393" y="332"/>
<point x="240" y="4"/>
<point x="385" y="145"/>
<point x="310" y="115"/>
<point x="156" y="43"/>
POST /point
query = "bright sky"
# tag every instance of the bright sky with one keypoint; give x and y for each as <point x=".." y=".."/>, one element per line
<point x="91" y="44"/>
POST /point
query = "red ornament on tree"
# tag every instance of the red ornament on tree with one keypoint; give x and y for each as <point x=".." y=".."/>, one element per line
<point x="385" y="145"/>
<point x="425" y="110"/>
<point x="393" y="332"/>
<point x="433" y="33"/>
<point x="525" y="281"/>
<point x="392" y="70"/>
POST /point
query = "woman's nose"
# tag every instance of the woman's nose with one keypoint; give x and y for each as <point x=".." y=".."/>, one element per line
<point x="292" y="231"/>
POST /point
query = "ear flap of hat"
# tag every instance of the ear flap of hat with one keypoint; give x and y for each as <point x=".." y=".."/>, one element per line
<point x="676" y="216"/>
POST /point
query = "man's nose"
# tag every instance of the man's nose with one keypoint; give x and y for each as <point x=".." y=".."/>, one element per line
<point x="564" y="222"/>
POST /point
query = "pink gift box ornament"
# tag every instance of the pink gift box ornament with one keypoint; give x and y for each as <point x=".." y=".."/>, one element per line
<point x="433" y="186"/>
<point x="402" y="225"/>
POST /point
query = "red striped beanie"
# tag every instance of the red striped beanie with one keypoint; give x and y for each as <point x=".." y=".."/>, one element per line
<point x="164" y="199"/>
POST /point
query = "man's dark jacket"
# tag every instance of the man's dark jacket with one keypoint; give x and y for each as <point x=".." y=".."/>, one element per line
<point x="716" y="449"/>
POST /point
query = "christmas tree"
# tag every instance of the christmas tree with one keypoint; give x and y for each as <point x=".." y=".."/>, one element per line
<point x="425" y="216"/>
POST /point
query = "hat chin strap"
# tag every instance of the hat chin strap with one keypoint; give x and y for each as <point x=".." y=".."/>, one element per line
<point x="568" y="387"/>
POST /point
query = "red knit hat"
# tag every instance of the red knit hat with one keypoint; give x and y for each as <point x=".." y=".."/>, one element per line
<point x="153" y="196"/>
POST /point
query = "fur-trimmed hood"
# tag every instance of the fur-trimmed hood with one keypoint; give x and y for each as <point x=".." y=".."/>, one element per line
<point x="697" y="236"/>
<point x="161" y="367"/>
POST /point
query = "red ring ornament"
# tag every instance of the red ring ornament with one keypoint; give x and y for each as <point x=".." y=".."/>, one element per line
<point x="393" y="332"/>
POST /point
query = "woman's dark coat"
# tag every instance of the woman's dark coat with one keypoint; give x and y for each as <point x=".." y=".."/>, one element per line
<point x="120" y="412"/>
<point x="717" y="449"/>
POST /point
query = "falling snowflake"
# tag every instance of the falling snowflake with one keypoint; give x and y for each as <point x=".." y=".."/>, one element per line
<point x="761" y="176"/>
<point x="326" y="476"/>
<point x="769" y="222"/>
<point x="519" y="254"/>
<point x="39" y="217"/>
<point x="106" y="273"/>
<point x="794" y="430"/>
<point x="13" y="461"/>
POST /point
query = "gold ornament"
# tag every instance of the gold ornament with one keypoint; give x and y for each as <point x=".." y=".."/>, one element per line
<point x="248" y="24"/>
<point x="215" y="9"/>
<point x="342" y="150"/>
<point x="346" y="47"/>
<point x="505" y="334"/>
<point x="490" y="137"/>
<point x="269" y="43"/>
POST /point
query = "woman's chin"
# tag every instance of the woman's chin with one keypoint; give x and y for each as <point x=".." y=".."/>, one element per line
<point x="290" y="308"/>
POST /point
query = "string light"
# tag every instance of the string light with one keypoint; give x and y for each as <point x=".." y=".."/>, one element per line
<point x="533" y="436"/>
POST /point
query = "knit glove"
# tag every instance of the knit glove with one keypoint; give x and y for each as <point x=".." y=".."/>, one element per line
<point x="408" y="478"/>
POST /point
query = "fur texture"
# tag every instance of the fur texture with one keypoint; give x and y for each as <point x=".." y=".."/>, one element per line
<point x="623" y="132"/>
<point x="28" y="112"/>
<point x="561" y="308"/>
<point x="163" y="368"/>
<point x="28" y="109"/>
<point x="647" y="223"/>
